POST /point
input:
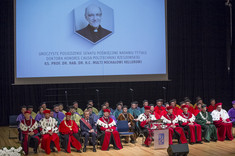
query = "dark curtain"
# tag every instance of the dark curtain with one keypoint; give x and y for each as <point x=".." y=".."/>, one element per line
<point x="197" y="46"/>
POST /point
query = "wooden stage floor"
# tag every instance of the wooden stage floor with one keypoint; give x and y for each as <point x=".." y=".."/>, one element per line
<point x="226" y="148"/>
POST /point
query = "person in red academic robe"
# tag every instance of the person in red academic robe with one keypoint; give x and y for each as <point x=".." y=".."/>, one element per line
<point x="106" y="128"/>
<point x="145" y="125"/>
<point x="212" y="105"/>
<point x="157" y="116"/>
<point x="198" y="109"/>
<point x="222" y="122"/>
<point x="29" y="130"/>
<point x="159" y="109"/>
<point x="187" y="121"/>
<point x="171" y="121"/>
<point x="190" y="108"/>
<point x="69" y="134"/>
<point x="49" y="131"/>
<point x="175" y="108"/>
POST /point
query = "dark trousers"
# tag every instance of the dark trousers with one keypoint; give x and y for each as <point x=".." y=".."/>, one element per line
<point x="19" y="134"/>
<point x="87" y="135"/>
<point x="145" y="131"/>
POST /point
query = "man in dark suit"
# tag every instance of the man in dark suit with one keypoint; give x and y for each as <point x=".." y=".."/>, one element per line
<point x="93" y="31"/>
<point x="88" y="129"/>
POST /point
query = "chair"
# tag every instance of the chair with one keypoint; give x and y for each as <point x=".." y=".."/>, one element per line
<point x="82" y="138"/>
<point x="12" y="124"/>
<point x="233" y="131"/>
<point x="123" y="128"/>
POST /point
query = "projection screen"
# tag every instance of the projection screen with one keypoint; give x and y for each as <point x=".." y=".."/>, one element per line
<point x="87" y="41"/>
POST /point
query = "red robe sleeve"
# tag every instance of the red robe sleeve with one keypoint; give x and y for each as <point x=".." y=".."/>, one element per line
<point x="75" y="127"/>
<point x="143" y="123"/>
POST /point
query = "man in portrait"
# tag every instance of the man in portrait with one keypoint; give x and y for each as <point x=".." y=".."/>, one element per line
<point x="93" y="31"/>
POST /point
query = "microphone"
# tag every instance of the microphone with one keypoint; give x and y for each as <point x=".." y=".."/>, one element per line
<point x="65" y="92"/>
<point x="131" y="89"/>
<point x="97" y="90"/>
<point x="164" y="88"/>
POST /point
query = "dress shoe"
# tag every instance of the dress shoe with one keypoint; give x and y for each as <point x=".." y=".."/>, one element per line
<point x="84" y="149"/>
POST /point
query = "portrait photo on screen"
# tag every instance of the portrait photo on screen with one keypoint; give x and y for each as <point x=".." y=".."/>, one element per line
<point x="94" y="21"/>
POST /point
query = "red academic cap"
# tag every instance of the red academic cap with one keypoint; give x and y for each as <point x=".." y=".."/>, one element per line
<point x="27" y="112"/>
<point x="147" y="107"/>
<point x="46" y="111"/>
<point x="106" y="110"/>
<point x="218" y="104"/>
<point x="169" y="107"/>
<point x="68" y="113"/>
<point x="184" y="106"/>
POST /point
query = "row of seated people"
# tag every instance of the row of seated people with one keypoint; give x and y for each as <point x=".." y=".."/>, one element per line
<point x="158" y="112"/>
<point x="68" y="133"/>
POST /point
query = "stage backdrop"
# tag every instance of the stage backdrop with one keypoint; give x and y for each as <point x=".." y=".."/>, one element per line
<point x="197" y="63"/>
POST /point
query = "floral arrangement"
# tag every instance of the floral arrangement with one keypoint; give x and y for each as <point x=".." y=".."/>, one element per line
<point x="11" y="151"/>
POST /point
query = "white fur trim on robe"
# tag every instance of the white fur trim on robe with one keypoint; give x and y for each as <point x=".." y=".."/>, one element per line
<point x="216" y="115"/>
<point x="23" y="127"/>
<point x="182" y="119"/>
<point x="165" y="120"/>
<point x="48" y="125"/>
<point x="105" y="125"/>
<point x="142" y="117"/>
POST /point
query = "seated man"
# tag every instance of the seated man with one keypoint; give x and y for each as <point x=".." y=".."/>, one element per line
<point x="44" y="106"/>
<point x="190" y="108"/>
<point x="77" y="109"/>
<point x="49" y="131"/>
<point x="159" y="109"/>
<point x="92" y="114"/>
<point x="75" y="117"/>
<point x="157" y="116"/>
<point x="145" y="103"/>
<point x="222" y="122"/>
<point x="187" y="121"/>
<point x="231" y="114"/>
<point x="101" y="112"/>
<point x="197" y="109"/>
<point x="88" y="129"/>
<point x="69" y="134"/>
<point x="106" y="103"/>
<point x="29" y="128"/>
<point x="128" y="117"/>
<point x="205" y="120"/>
<point x="171" y="120"/>
<point x="33" y="114"/>
<point x="52" y="116"/>
<point x="40" y="114"/>
<point x="19" y="119"/>
<point x="133" y="110"/>
<point x="175" y="107"/>
<point x="61" y="108"/>
<point x="145" y="120"/>
<point x="91" y="103"/>
<point x="106" y="128"/>
<point x="57" y="114"/>
<point x="173" y="103"/>
<point x="118" y="111"/>
<point x="198" y="100"/>
<point x="212" y="105"/>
